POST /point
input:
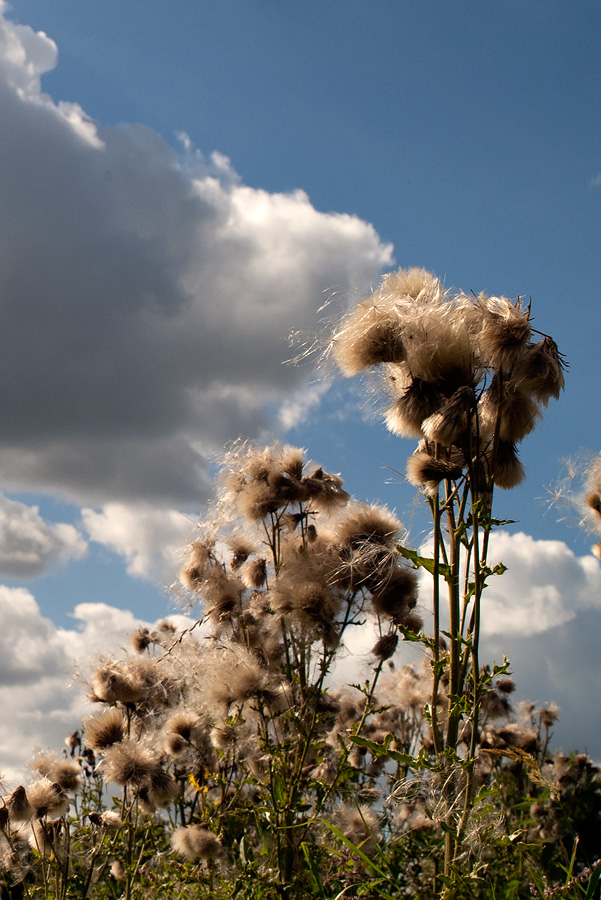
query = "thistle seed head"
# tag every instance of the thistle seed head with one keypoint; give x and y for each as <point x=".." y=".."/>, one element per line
<point x="196" y="842"/>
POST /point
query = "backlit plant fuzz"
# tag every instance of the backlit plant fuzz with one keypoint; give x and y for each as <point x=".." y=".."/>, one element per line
<point x="592" y="500"/>
<point x="463" y="373"/>
<point x="465" y="377"/>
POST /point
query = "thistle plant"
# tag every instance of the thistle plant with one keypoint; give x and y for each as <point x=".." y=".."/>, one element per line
<point x="468" y="377"/>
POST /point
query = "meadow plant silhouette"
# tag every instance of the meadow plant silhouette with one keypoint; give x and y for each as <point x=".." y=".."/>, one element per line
<point x="226" y="761"/>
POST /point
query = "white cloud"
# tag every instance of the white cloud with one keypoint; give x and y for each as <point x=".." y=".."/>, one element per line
<point x="545" y="585"/>
<point x="150" y="540"/>
<point x="29" y="545"/>
<point x="43" y="670"/>
<point x="146" y="297"/>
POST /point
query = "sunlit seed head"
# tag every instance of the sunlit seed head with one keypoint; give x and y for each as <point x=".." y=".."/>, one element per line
<point x="593" y="501"/>
<point x="196" y="842"/>
<point x="141" y="640"/>
<point x="450" y="422"/>
<point x="19" y="808"/>
<point x="367" y="524"/>
<point x="291" y="461"/>
<point x="397" y="595"/>
<point x="241" y="548"/>
<point x="539" y="369"/>
<point x="504" y="330"/>
<point x="324" y="491"/>
<point x="505" y="408"/>
<point x="47" y="798"/>
<point x="104" y="730"/>
<point x="128" y="763"/>
<point x="45" y="836"/>
<point x="73" y="741"/>
<point x="162" y="788"/>
<point x="64" y="772"/>
<point x="426" y="471"/>
<point x="549" y="715"/>
<point x="407" y="414"/>
<point x="197" y="565"/>
<point x="508" y="470"/>
<point x="369" y="336"/>
<point x="118" y="870"/>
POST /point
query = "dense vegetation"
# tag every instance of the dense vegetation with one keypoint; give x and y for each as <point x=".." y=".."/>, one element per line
<point x="229" y="761"/>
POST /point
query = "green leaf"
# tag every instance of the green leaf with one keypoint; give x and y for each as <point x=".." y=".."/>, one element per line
<point x="424" y="562"/>
<point x="313" y="868"/>
<point x="383" y="749"/>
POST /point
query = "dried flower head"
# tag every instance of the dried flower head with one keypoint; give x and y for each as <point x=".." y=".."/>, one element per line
<point x="129" y="763"/>
<point x="47" y="798"/>
<point x="385" y="646"/>
<point x="105" y="729"/>
<point x="19" y="808"/>
<point x="64" y="772"/>
<point x="196" y="842"/>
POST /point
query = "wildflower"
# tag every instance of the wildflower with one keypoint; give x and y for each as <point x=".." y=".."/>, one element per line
<point x="325" y="491"/>
<point x="104" y="730"/>
<point x="241" y="548"/>
<point x="222" y="592"/>
<point x="196" y="842"/>
<point x="448" y="425"/>
<point x="593" y="501"/>
<point x="162" y="788"/>
<point x="507" y="470"/>
<point x="540" y="369"/>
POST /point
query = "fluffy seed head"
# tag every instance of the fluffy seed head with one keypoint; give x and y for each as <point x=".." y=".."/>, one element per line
<point x="128" y="763"/>
<point x="196" y="842"/>
<point x="64" y="772"/>
<point x="104" y="730"/>
<point x="47" y="798"/>
<point x="426" y="471"/>
<point x="19" y="808"/>
<point x="385" y="646"/>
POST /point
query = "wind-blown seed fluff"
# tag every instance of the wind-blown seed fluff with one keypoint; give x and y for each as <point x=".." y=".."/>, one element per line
<point x="196" y="842"/>
<point x="104" y="730"/>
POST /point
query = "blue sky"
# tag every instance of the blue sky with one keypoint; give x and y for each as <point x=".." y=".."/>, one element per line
<point x="145" y="327"/>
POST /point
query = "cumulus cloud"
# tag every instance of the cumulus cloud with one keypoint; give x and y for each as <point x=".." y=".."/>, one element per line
<point x="150" y="540"/>
<point x="545" y="585"/>
<point x="43" y="670"/>
<point x="29" y="545"/>
<point x="147" y="297"/>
